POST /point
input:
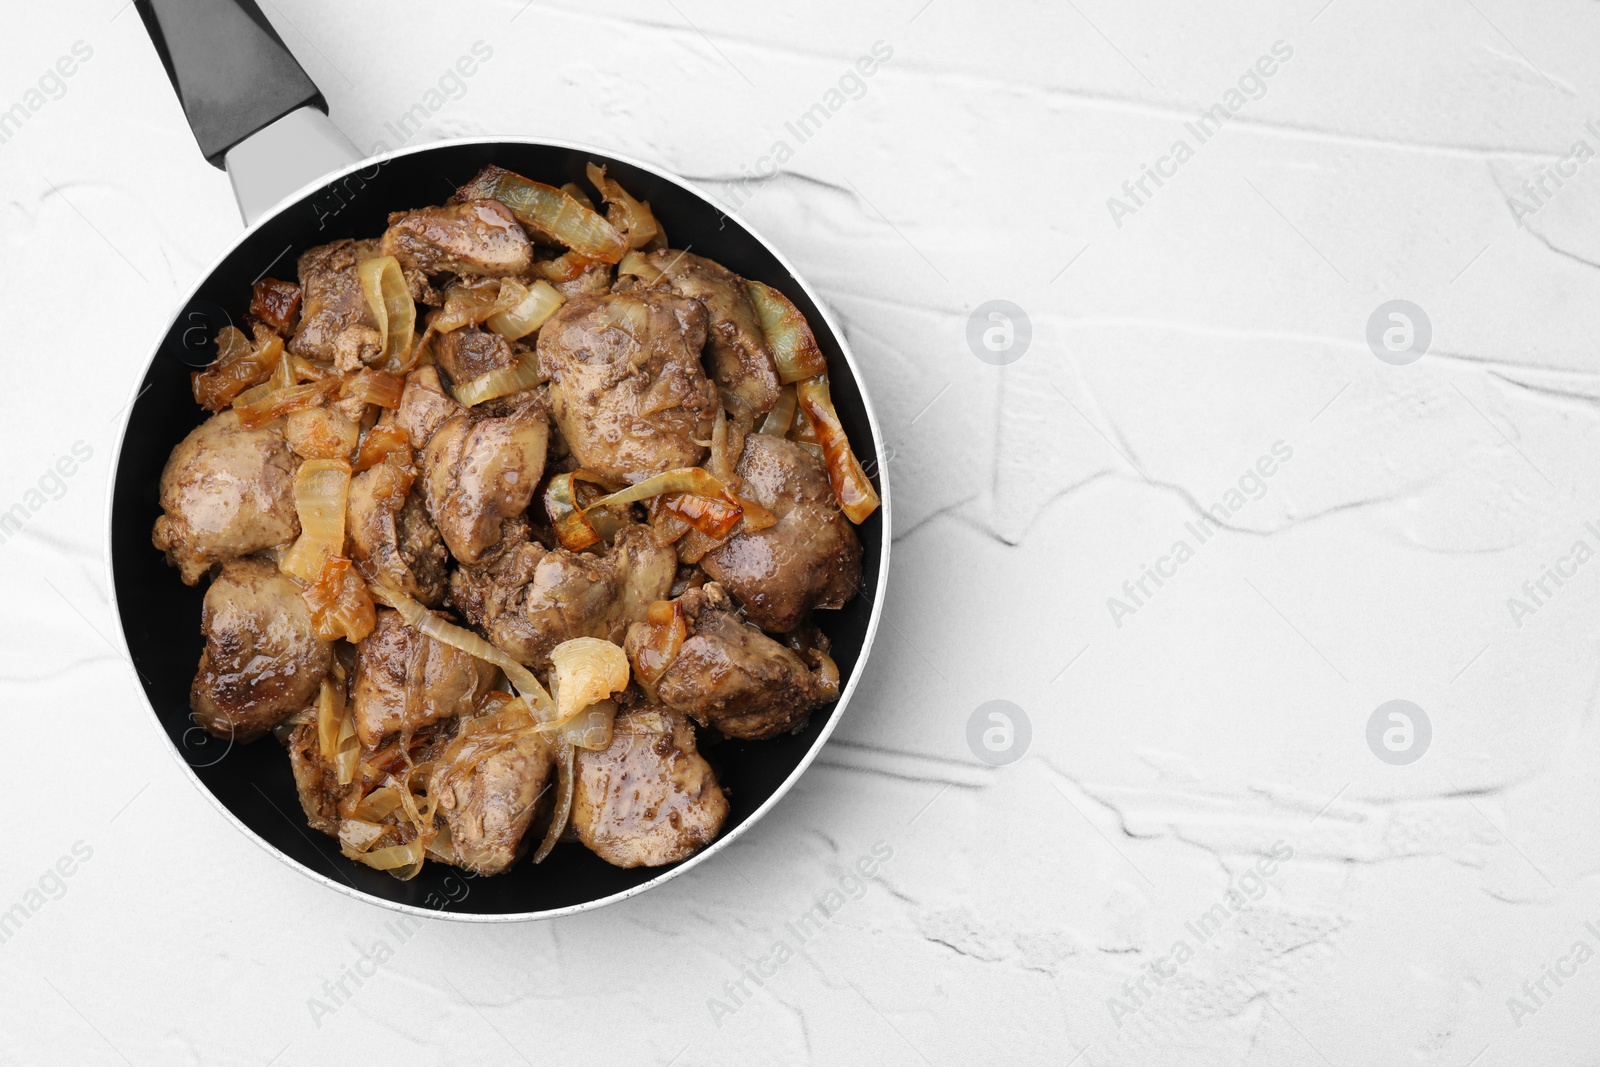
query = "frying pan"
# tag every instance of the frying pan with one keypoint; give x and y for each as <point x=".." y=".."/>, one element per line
<point x="300" y="183"/>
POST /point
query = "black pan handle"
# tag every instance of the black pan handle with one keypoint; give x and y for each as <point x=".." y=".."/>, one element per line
<point x="231" y="71"/>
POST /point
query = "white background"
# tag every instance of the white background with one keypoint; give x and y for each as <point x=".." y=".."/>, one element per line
<point x="1168" y="754"/>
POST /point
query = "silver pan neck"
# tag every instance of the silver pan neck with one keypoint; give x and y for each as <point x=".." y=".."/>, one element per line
<point x="281" y="158"/>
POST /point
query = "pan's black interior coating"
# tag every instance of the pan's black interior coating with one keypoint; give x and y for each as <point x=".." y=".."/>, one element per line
<point x="161" y="615"/>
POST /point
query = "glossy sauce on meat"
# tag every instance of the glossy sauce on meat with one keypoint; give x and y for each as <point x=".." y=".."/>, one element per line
<point x="479" y="470"/>
<point x="489" y="783"/>
<point x="335" y="322"/>
<point x="478" y="237"/>
<point x="733" y="676"/>
<point x="736" y="349"/>
<point x="406" y="680"/>
<point x="424" y="406"/>
<point x="471" y="352"/>
<point x="314" y="780"/>
<point x="529" y="599"/>
<point x="392" y="539"/>
<point x="810" y="559"/>
<point x="649" y="798"/>
<point x="226" y="492"/>
<point x="263" y="661"/>
<point x="626" y="384"/>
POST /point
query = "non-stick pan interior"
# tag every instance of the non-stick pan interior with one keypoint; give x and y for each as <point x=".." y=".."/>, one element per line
<point x="161" y="616"/>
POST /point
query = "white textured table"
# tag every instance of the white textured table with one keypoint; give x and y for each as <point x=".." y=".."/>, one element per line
<point x="1199" y="858"/>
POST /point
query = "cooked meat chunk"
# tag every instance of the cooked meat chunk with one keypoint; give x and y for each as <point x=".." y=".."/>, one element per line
<point x="740" y="360"/>
<point x="419" y="544"/>
<point x="321" y="433"/>
<point x="355" y="409"/>
<point x="391" y="537"/>
<point x="810" y="559"/>
<point x="488" y="783"/>
<point x="226" y="492"/>
<point x="733" y="676"/>
<point x="314" y="780"/>
<point x="406" y="680"/>
<point x="335" y="322"/>
<point x="529" y="599"/>
<point x="626" y="384"/>
<point x="419" y="288"/>
<point x="263" y="661"/>
<point x="648" y="798"/>
<point x="424" y="406"/>
<point x="596" y="279"/>
<point x="477" y="237"/>
<point x="466" y="353"/>
<point x="481" y="469"/>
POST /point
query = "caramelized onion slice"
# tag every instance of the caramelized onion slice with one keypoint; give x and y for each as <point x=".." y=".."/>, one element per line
<point x="802" y="432"/>
<point x="701" y="539"/>
<point x="567" y="267"/>
<point x="311" y="370"/>
<point x="794" y="346"/>
<point x="592" y="727"/>
<point x="320" y="433"/>
<point x="573" y="527"/>
<point x="238" y="366"/>
<point x="713" y="516"/>
<point x="637" y="223"/>
<point x="329" y="716"/>
<point x="232" y="346"/>
<point x="585" y="670"/>
<point x="378" y="804"/>
<point x="440" y="629"/>
<point x="466" y="303"/>
<point x="336" y="731"/>
<point x="827" y="674"/>
<point x="566" y="517"/>
<point x="665" y="527"/>
<point x="635" y="264"/>
<point x="321" y="491"/>
<point x="523" y="374"/>
<point x="420" y="816"/>
<point x="666" y="630"/>
<point x="574" y="190"/>
<point x="358" y="835"/>
<point x="695" y="480"/>
<point x="566" y="760"/>
<point x="389" y="299"/>
<point x="552" y="214"/>
<point x="402" y="861"/>
<point x="854" y="491"/>
<point x="781" y="417"/>
<point x="528" y="314"/>
<point x="722" y="460"/>
<point x="374" y="387"/>
<point x="698" y="499"/>
<point x="756" y="517"/>
<point x="443" y="847"/>
<point x="383" y="440"/>
<point x="282" y="392"/>
<point x="260" y="405"/>
<point x="340" y="603"/>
